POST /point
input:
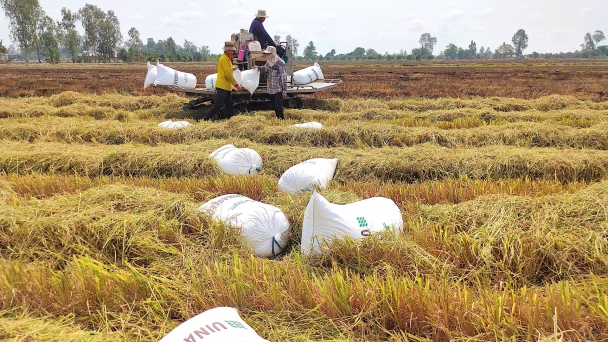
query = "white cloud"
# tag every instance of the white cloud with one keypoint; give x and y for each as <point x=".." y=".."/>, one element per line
<point x="483" y="12"/>
<point x="327" y="16"/>
<point x="586" y="10"/>
<point x="415" y="24"/>
<point x="138" y="17"/>
<point x="183" y="18"/>
<point x="282" y="30"/>
<point x="535" y="15"/>
<point x="559" y="31"/>
<point x="452" y="14"/>
<point x="238" y="13"/>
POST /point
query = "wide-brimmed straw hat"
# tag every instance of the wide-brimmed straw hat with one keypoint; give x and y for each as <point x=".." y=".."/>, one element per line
<point x="261" y="14"/>
<point x="229" y="45"/>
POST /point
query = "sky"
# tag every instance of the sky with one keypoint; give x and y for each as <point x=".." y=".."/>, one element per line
<point x="383" y="25"/>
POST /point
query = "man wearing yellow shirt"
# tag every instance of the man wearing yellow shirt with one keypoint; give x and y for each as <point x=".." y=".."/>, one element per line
<point x="224" y="83"/>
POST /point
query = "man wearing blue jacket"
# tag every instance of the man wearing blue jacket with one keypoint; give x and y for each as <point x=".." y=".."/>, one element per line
<point x="257" y="28"/>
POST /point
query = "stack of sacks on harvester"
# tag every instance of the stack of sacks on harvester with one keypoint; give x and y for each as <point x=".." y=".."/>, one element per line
<point x="162" y="75"/>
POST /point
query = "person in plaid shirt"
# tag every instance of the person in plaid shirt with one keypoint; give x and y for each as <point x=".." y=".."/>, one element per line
<point x="277" y="80"/>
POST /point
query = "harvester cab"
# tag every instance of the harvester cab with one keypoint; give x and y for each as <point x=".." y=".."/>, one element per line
<point x="249" y="53"/>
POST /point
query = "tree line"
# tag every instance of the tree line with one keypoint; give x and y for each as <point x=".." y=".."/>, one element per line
<point x="38" y="35"/>
<point x="589" y="49"/>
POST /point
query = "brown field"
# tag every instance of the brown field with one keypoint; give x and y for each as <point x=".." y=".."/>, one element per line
<point x="500" y="171"/>
<point x="583" y="79"/>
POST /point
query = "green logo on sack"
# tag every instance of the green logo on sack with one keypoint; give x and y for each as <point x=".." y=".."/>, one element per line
<point x="235" y="324"/>
<point x="362" y="222"/>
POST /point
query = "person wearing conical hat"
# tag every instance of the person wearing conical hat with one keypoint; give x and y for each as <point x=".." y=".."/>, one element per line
<point x="224" y="83"/>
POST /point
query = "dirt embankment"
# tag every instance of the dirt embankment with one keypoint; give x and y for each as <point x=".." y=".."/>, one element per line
<point x="583" y="79"/>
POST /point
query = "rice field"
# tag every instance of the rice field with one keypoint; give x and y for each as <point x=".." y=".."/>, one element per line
<point x="504" y="202"/>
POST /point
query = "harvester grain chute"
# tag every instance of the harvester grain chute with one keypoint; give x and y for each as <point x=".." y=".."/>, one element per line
<point x="247" y="55"/>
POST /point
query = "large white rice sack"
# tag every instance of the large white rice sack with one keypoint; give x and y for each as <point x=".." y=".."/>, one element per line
<point x="174" y="124"/>
<point x="264" y="226"/>
<point x="312" y="124"/>
<point x="324" y="221"/>
<point x="308" y="75"/>
<point x="169" y="76"/>
<point x="250" y="79"/>
<point x="212" y="79"/>
<point x="219" y="324"/>
<point x="151" y="75"/>
<point x="237" y="161"/>
<point x="308" y="174"/>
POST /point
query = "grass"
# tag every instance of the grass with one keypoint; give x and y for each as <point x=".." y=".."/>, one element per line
<point x="504" y="204"/>
<point x="419" y="163"/>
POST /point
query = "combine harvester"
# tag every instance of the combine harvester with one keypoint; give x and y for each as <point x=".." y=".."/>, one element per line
<point x="248" y="54"/>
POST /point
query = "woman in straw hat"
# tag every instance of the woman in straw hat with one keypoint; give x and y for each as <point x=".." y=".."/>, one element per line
<point x="224" y="83"/>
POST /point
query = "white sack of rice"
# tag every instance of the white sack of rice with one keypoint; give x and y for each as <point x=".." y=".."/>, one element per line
<point x="325" y="221"/>
<point x="263" y="226"/>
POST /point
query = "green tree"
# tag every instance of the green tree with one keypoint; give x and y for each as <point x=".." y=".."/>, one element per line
<point x="464" y="54"/>
<point x="91" y="18"/>
<point x="489" y="52"/>
<point x="171" y="48"/>
<point x="70" y="38"/>
<point x="331" y="54"/>
<point x="150" y="45"/>
<point x="520" y="42"/>
<point x="23" y="18"/>
<point x="134" y="47"/>
<point x="598" y="36"/>
<point x="134" y="42"/>
<point x="189" y="48"/>
<point x="49" y="44"/>
<point x="371" y="54"/>
<point x="357" y="53"/>
<point x="451" y="51"/>
<point x="589" y="44"/>
<point x="3" y="49"/>
<point x="417" y="54"/>
<point x="277" y="39"/>
<point x="310" y="52"/>
<point x="109" y="36"/>
<point x="293" y="43"/>
<point x="591" y="41"/>
<point x="473" y="50"/>
<point x="205" y="52"/>
<point x="40" y="28"/>
<point x="161" y="46"/>
<point x="504" y="51"/>
<point x="427" y="42"/>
